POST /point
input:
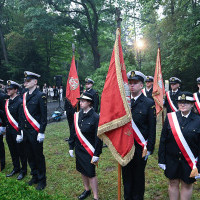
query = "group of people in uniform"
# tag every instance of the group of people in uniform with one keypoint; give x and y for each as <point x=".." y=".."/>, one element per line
<point x="25" y="119"/>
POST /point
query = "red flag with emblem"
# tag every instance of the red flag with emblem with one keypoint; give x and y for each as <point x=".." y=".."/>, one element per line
<point x="73" y="87"/>
<point x="158" y="85"/>
<point x="115" y="116"/>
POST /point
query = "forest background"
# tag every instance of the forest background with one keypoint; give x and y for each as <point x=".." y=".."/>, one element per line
<point x="37" y="35"/>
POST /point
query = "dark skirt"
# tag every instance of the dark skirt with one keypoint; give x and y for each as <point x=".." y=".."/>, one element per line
<point x="83" y="162"/>
<point x="178" y="168"/>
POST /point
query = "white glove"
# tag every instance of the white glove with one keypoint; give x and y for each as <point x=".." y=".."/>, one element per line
<point x="65" y="113"/>
<point x="40" y="137"/>
<point x="162" y="166"/>
<point x="19" y="137"/>
<point x="71" y="153"/>
<point x="148" y="153"/>
<point x="95" y="159"/>
<point x="2" y="130"/>
<point x="197" y="177"/>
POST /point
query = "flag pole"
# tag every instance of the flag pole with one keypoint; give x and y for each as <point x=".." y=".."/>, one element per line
<point x="119" y="20"/>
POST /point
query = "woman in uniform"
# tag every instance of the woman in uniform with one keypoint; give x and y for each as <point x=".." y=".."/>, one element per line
<point x="88" y="146"/>
<point x="180" y="148"/>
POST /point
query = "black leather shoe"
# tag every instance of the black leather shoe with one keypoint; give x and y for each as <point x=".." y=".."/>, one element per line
<point x="41" y="186"/>
<point x="33" y="181"/>
<point x="85" y="194"/>
<point x="12" y="173"/>
<point x="21" y="176"/>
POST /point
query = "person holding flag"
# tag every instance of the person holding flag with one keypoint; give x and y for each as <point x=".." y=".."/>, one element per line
<point x="179" y="149"/>
<point x="144" y="128"/>
<point x="172" y="95"/>
<point x="88" y="146"/>
<point x="196" y="96"/>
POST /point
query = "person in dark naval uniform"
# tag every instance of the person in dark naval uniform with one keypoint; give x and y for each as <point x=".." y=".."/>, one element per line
<point x="88" y="146"/>
<point x="171" y="103"/>
<point x="144" y="116"/>
<point x="149" y="87"/>
<point x="14" y="136"/>
<point x="171" y="157"/>
<point x="2" y="131"/>
<point x="33" y="122"/>
<point x="88" y="85"/>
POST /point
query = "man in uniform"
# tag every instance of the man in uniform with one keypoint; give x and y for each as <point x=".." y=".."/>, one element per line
<point x="33" y="122"/>
<point x="149" y="87"/>
<point x="88" y="85"/>
<point x="172" y="95"/>
<point x="13" y="133"/>
<point x="144" y="118"/>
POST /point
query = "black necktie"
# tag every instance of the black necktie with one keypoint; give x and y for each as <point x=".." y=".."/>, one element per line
<point x="132" y="102"/>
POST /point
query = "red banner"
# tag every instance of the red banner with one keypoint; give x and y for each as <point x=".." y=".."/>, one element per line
<point x="158" y="85"/>
<point x="73" y="87"/>
<point x="115" y="116"/>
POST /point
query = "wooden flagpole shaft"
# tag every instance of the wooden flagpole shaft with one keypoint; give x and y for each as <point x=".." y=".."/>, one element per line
<point x="119" y="181"/>
<point x="162" y="117"/>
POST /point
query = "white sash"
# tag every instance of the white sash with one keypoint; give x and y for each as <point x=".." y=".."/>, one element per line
<point x="144" y="92"/>
<point x="197" y="103"/>
<point x="30" y="119"/>
<point x="172" y="106"/>
<point x="10" y="117"/>
<point x="139" y="138"/>
<point x="86" y="144"/>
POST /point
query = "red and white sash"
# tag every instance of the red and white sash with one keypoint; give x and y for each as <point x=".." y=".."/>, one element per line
<point x="144" y="92"/>
<point x="30" y="119"/>
<point x="172" y="106"/>
<point x="86" y="144"/>
<point x="10" y="117"/>
<point x="182" y="144"/>
<point x="197" y="103"/>
<point x="139" y="138"/>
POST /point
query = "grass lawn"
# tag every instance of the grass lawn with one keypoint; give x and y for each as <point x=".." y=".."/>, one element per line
<point x="64" y="182"/>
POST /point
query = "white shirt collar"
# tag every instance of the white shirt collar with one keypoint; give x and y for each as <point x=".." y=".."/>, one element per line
<point x="186" y="116"/>
<point x="135" y="98"/>
<point x="175" y="91"/>
<point x="87" y="111"/>
<point x="148" y="89"/>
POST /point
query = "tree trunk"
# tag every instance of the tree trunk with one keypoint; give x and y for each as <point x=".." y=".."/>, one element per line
<point x="3" y="46"/>
<point x="96" y="56"/>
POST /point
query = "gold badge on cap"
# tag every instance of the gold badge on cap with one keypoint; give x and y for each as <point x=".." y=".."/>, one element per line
<point x="147" y="77"/>
<point x="183" y="97"/>
<point x="173" y="79"/>
<point x="132" y="73"/>
<point x="9" y="83"/>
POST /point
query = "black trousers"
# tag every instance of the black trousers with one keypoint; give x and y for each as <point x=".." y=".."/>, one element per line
<point x="17" y="151"/>
<point x="134" y="178"/>
<point x="36" y="157"/>
<point x="70" y="119"/>
<point x="2" y="152"/>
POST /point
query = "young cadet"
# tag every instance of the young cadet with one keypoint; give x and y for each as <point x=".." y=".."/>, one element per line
<point x="197" y="97"/>
<point x="88" y="85"/>
<point x="179" y="150"/>
<point x="88" y="146"/>
<point x="14" y="136"/>
<point x="147" y="91"/>
<point x="144" y="120"/>
<point x="172" y="95"/>
<point x="33" y="122"/>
